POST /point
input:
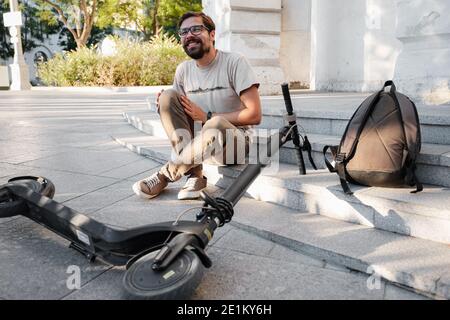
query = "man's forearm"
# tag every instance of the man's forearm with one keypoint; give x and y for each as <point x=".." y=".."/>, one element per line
<point x="241" y="117"/>
<point x="250" y="114"/>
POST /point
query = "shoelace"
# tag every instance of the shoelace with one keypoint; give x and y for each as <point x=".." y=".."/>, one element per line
<point x="152" y="181"/>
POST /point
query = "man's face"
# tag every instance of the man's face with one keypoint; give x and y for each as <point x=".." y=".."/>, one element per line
<point x="196" y="46"/>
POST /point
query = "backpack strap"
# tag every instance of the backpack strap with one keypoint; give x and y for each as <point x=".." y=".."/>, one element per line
<point x="333" y="150"/>
<point x="411" y="130"/>
<point x="339" y="166"/>
<point x="411" y="178"/>
<point x="355" y="127"/>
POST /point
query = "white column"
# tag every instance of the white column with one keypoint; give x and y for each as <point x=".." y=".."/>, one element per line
<point x="19" y="69"/>
<point x="295" y="51"/>
<point x="252" y="28"/>
<point x="423" y="66"/>
<point x="353" y="44"/>
<point x="337" y="45"/>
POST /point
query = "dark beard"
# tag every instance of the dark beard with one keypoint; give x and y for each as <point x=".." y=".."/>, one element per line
<point x="196" y="53"/>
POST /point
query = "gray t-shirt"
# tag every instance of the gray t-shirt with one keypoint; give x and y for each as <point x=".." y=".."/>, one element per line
<point x="216" y="87"/>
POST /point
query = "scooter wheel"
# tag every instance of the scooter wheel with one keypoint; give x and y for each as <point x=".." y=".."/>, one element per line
<point x="40" y="185"/>
<point x="178" y="281"/>
<point x="10" y="207"/>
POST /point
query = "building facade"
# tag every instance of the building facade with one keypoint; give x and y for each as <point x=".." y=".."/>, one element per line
<point x="341" y="45"/>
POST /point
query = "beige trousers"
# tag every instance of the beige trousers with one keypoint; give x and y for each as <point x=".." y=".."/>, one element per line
<point x="218" y="141"/>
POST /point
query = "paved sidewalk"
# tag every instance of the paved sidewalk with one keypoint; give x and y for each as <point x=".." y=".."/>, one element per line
<point x="66" y="136"/>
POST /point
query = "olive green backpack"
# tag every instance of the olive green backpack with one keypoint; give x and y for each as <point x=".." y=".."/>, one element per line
<point x="380" y="144"/>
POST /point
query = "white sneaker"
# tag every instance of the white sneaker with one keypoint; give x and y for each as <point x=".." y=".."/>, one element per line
<point x="192" y="188"/>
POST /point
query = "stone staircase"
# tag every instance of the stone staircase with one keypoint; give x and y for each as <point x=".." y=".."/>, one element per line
<point x="409" y="227"/>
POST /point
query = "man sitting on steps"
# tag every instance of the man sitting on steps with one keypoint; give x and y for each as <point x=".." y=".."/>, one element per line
<point x="216" y="89"/>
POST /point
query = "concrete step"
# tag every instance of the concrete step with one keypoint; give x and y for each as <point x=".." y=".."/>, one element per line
<point x="328" y="114"/>
<point x="408" y="261"/>
<point x="433" y="162"/>
<point x="424" y="215"/>
<point x="146" y="121"/>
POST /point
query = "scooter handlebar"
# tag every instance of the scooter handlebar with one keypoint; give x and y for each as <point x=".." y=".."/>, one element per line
<point x="287" y="98"/>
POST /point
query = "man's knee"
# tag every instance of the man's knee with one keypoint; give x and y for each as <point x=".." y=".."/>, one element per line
<point x="217" y="122"/>
<point x="220" y="128"/>
<point x="168" y="99"/>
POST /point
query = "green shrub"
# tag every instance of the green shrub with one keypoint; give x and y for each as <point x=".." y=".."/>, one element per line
<point x="133" y="64"/>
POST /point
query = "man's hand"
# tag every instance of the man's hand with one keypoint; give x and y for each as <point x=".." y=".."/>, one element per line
<point x="193" y="110"/>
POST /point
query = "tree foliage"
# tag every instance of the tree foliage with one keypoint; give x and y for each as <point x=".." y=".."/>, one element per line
<point x="6" y="49"/>
<point x="34" y="28"/>
<point x="85" y="22"/>
<point x="134" y="14"/>
<point x="133" y="63"/>
<point x="170" y="12"/>
<point x="147" y="16"/>
<point x="78" y="16"/>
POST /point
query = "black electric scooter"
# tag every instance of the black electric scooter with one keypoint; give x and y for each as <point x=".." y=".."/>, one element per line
<point x="164" y="260"/>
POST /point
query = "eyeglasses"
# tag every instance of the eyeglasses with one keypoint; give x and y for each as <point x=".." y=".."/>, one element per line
<point x="195" y="30"/>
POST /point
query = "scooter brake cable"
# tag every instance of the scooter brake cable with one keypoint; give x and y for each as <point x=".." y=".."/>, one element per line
<point x="186" y="211"/>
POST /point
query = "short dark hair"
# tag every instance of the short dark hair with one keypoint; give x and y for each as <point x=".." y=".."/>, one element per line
<point x="207" y="21"/>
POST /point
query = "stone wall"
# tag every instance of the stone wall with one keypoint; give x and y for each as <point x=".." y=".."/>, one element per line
<point x="342" y="45"/>
<point x="252" y="28"/>
<point x="423" y="67"/>
<point x="353" y="45"/>
<point x="295" y="51"/>
<point x="4" y="77"/>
